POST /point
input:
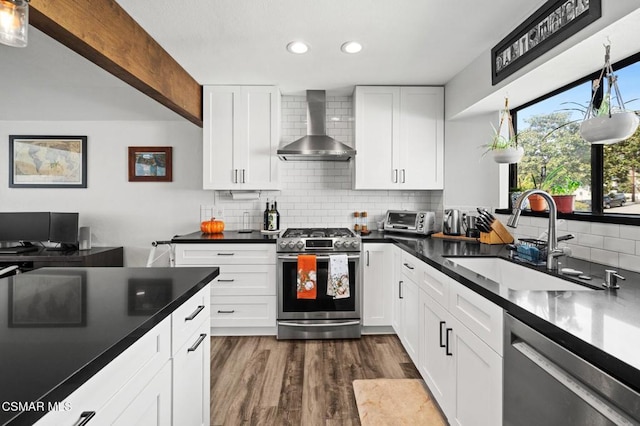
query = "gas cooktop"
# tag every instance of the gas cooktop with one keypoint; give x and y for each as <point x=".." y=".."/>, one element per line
<point x="318" y="233"/>
<point x="305" y="240"/>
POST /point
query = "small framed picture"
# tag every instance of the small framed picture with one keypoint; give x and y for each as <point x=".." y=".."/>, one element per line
<point x="150" y="164"/>
<point x="47" y="161"/>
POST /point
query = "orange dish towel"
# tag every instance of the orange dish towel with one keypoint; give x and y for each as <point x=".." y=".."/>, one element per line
<point x="306" y="286"/>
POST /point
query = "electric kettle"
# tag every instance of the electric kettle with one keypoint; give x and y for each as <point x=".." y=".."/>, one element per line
<point x="452" y="222"/>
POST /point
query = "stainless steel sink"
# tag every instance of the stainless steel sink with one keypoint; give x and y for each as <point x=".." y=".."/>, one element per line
<point x="515" y="276"/>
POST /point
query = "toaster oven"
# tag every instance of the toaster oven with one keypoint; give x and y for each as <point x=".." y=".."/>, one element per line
<point x="414" y="222"/>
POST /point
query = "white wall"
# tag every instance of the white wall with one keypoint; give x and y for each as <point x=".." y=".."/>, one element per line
<point x="119" y="212"/>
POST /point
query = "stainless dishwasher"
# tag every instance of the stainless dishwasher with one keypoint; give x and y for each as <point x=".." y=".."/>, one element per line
<point x="545" y="384"/>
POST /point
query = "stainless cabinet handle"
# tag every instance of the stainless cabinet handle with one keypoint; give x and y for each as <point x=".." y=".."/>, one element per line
<point x="195" y="313"/>
<point x="446" y="343"/>
<point x="441" y="324"/>
<point x="400" y="296"/>
<point x="226" y="281"/>
<point x="243" y="173"/>
<point x="409" y="266"/>
<point x="402" y="174"/>
<point x="226" y="254"/>
<point x="197" y="343"/>
<point x="235" y="175"/>
<point x="85" y="417"/>
<point x="395" y="175"/>
<point x="226" y="312"/>
<point x="367" y="257"/>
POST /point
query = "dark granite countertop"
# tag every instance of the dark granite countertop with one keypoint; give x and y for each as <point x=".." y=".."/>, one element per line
<point x="45" y="355"/>
<point x="226" y="237"/>
<point x="601" y="326"/>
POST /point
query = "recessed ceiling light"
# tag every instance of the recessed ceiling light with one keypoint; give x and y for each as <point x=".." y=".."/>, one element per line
<point x="298" y="47"/>
<point x="351" y="47"/>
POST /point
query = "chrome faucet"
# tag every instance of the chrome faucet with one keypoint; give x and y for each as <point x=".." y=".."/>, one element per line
<point x="553" y="252"/>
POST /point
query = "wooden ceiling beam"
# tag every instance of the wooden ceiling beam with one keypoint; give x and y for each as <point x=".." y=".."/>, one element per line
<point x="102" y="32"/>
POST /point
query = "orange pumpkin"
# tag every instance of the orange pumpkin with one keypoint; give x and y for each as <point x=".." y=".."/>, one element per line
<point x="212" y="226"/>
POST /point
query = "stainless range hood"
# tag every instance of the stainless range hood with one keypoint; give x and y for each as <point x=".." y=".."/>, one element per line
<point x="316" y="146"/>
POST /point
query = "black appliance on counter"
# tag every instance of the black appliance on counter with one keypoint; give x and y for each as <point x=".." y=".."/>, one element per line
<point x="324" y="317"/>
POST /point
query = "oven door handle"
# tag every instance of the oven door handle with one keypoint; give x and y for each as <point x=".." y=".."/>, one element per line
<point x="295" y="257"/>
<point x="333" y="324"/>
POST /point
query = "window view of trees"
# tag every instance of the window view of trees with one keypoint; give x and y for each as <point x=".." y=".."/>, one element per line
<point x="557" y="159"/>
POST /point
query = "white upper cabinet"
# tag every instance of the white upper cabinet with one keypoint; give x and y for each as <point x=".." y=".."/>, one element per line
<point x="399" y="137"/>
<point x="240" y="137"/>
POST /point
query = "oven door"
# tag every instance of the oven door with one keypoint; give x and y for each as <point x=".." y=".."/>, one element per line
<point x="323" y="307"/>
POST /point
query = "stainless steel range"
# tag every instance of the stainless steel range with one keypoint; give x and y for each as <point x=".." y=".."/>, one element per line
<point x="323" y="316"/>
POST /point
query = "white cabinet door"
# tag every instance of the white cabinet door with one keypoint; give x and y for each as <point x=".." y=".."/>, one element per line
<point x="478" y="380"/>
<point x="399" y="137"/>
<point x="377" y="307"/>
<point x="434" y="365"/>
<point x="377" y="113"/>
<point x="191" y="379"/>
<point x="151" y="407"/>
<point x="240" y="137"/>
<point x="410" y="296"/>
<point x="421" y="143"/>
<point x="397" y="283"/>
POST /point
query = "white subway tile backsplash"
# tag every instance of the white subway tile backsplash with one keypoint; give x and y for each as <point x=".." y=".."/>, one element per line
<point x="630" y="232"/>
<point x="579" y="227"/>
<point x="629" y="262"/>
<point x="608" y="229"/>
<point x="620" y="245"/>
<point x="589" y="240"/>
<point x="605" y="257"/>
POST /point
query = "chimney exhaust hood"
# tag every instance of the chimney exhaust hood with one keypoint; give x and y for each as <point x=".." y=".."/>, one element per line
<point x="316" y="146"/>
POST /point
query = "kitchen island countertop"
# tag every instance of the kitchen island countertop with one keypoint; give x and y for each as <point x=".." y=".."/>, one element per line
<point x="65" y="324"/>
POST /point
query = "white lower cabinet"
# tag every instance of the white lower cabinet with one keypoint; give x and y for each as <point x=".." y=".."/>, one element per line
<point x="377" y="273"/>
<point x="151" y="382"/>
<point x="243" y="295"/>
<point x="454" y="336"/>
<point x="407" y="306"/>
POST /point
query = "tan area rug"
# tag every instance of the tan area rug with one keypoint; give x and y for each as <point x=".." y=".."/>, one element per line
<point x="395" y="402"/>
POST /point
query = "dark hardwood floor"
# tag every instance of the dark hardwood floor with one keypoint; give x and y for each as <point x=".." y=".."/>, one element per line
<point x="262" y="381"/>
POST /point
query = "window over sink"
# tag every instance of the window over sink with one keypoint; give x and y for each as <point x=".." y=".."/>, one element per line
<point x="608" y="175"/>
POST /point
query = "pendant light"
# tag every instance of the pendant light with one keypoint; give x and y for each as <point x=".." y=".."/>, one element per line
<point x="14" y="22"/>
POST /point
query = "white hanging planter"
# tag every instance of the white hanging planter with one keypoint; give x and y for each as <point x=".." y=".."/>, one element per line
<point x="508" y="155"/>
<point x="605" y="129"/>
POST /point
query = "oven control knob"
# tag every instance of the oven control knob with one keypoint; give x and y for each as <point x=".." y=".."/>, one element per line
<point x="283" y="244"/>
<point x="292" y="244"/>
<point x="354" y="244"/>
<point x="300" y="244"/>
<point x="337" y="244"/>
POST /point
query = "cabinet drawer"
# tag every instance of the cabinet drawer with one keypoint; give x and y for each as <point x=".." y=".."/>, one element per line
<point x="225" y="254"/>
<point x="245" y="311"/>
<point x="410" y="266"/>
<point x="188" y="317"/>
<point x="141" y="362"/>
<point x="245" y="280"/>
<point x="435" y="284"/>
<point x="481" y="316"/>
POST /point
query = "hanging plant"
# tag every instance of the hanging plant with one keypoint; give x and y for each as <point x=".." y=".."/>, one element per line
<point x="503" y="149"/>
<point x="608" y="124"/>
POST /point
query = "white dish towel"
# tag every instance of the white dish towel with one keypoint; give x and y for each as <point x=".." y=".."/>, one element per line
<point x="338" y="285"/>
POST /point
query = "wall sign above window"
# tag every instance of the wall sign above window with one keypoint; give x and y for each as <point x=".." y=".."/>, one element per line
<point x="551" y="24"/>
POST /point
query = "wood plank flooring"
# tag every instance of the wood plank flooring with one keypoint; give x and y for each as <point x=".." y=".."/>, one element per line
<point x="259" y="380"/>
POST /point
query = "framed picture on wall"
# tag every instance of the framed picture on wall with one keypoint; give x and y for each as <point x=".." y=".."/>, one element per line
<point x="150" y="164"/>
<point x="47" y="161"/>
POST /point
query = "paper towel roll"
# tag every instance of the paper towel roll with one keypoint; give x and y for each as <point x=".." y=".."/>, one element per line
<point x="245" y="195"/>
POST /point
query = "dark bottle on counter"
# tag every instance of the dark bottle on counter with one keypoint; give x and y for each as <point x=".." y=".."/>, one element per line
<point x="265" y="220"/>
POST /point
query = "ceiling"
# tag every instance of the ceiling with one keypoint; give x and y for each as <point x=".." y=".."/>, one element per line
<point x="412" y="42"/>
